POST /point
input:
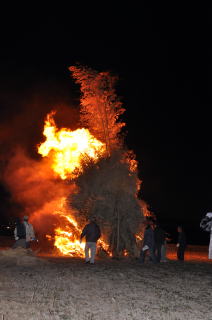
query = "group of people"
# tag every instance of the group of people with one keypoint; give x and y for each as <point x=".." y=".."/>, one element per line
<point x="155" y="240"/>
<point x="154" y="243"/>
<point x="24" y="233"/>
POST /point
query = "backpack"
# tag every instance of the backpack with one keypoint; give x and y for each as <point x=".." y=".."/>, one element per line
<point x="21" y="231"/>
<point x="206" y="224"/>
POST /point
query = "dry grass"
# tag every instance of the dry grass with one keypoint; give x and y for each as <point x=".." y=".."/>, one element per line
<point x="69" y="289"/>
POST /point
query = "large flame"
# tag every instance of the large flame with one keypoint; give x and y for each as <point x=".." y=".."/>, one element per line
<point x="68" y="148"/>
<point x="66" y="237"/>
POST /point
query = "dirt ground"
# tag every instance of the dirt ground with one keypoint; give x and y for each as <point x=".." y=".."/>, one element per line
<point x="61" y="288"/>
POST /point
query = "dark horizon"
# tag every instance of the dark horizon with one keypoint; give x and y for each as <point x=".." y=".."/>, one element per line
<point x="165" y="80"/>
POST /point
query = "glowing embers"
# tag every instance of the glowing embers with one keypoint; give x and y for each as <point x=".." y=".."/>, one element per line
<point x="67" y="149"/>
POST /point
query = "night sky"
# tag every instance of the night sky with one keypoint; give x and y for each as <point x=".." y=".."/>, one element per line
<point x="163" y="61"/>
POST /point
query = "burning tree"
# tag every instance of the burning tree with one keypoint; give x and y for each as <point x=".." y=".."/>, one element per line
<point x="82" y="173"/>
<point x="108" y="191"/>
<point x="109" y="188"/>
<point x="100" y="107"/>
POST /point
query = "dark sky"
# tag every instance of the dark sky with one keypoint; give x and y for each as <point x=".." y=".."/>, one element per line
<point x="163" y="60"/>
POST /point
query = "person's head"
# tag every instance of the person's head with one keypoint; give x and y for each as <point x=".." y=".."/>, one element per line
<point x="209" y="215"/>
<point x="17" y="220"/>
<point x="26" y="218"/>
<point x="156" y="225"/>
<point x="92" y="219"/>
<point x="179" y="228"/>
<point x="151" y="224"/>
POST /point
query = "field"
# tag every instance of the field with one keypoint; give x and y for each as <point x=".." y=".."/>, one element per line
<point x="40" y="288"/>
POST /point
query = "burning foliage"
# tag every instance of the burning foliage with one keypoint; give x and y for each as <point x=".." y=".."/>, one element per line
<point x="100" y="108"/>
<point x="108" y="192"/>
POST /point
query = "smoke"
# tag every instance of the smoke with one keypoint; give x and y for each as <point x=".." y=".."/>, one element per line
<point x="34" y="186"/>
<point x="26" y="177"/>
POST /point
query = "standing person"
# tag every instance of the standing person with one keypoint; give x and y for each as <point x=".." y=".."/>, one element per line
<point x="206" y="225"/>
<point x="159" y="237"/>
<point x="30" y="234"/>
<point x="19" y="234"/>
<point x="148" y="243"/>
<point x="181" y="244"/>
<point x="92" y="233"/>
<point x="164" y="248"/>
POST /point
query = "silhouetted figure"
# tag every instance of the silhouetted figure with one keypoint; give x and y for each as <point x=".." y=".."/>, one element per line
<point x="164" y="248"/>
<point x="159" y="237"/>
<point x="19" y="234"/>
<point x="206" y="225"/>
<point x="92" y="233"/>
<point x="181" y="244"/>
<point x="148" y="243"/>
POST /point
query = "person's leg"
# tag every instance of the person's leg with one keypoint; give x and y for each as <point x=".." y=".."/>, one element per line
<point x="158" y="252"/>
<point x="210" y="248"/>
<point x="20" y="243"/>
<point x="93" y="251"/>
<point x="163" y="253"/>
<point x="152" y="255"/>
<point x="87" y="246"/>
<point x="180" y="253"/>
<point x="142" y="256"/>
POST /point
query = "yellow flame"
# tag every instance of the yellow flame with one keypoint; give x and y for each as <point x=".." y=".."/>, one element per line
<point x="68" y="244"/>
<point x="66" y="239"/>
<point x="68" y="148"/>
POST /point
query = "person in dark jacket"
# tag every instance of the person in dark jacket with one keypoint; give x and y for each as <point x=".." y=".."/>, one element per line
<point x="20" y="234"/>
<point x="181" y="244"/>
<point x="92" y="233"/>
<point x="159" y="237"/>
<point x="148" y="243"/>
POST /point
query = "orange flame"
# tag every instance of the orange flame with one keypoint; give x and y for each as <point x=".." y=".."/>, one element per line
<point x="67" y="149"/>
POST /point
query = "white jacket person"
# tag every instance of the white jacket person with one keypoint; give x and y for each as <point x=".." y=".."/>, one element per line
<point x="206" y="225"/>
<point x="30" y="234"/>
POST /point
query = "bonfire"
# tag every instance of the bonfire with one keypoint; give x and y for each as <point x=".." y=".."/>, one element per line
<point x="81" y="173"/>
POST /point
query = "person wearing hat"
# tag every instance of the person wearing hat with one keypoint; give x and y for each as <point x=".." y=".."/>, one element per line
<point x="206" y="225"/>
<point x="30" y="234"/>
<point x="92" y="233"/>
